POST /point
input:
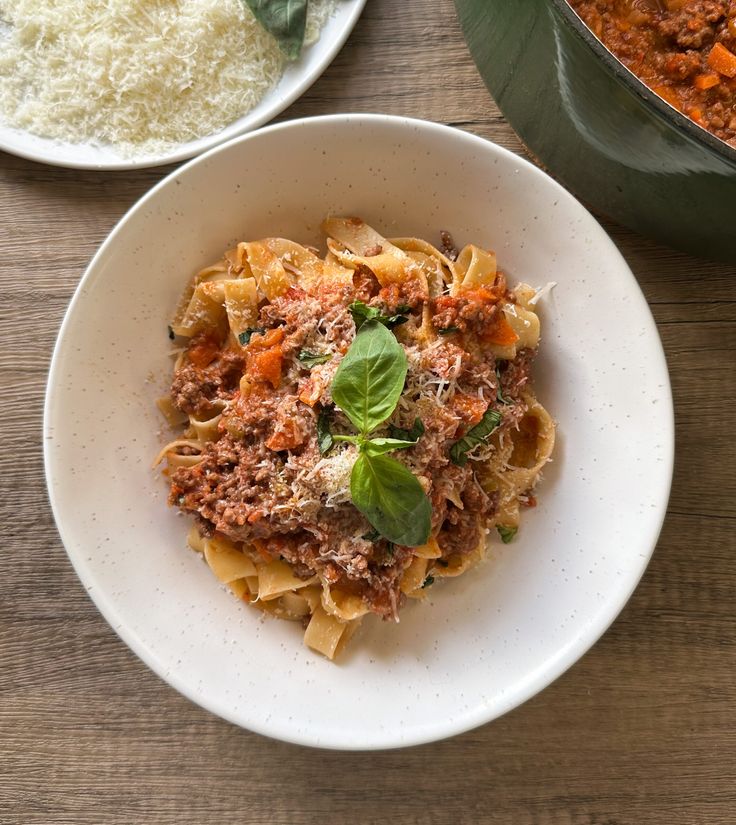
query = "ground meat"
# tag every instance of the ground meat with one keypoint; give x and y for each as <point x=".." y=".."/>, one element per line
<point x="463" y="313"/>
<point x="514" y="375"/>
<point x="195" y="389"/>
<point x="401" y="297"/>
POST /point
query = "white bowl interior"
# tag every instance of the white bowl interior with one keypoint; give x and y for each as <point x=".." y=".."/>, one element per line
<point x="480" y="644"/>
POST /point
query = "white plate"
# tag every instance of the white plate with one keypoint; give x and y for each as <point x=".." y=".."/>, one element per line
<point x="480" y="644"/>
<point x="297" y="78"/>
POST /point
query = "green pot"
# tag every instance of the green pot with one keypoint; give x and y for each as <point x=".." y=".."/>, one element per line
<point x="600" y="130"/>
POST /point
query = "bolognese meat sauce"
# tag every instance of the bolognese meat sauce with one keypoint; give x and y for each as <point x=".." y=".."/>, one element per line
<point x="684" y="50"/>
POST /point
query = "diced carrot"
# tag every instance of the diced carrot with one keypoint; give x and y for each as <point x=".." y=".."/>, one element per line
<point x="265" y="365"/>
<point x="286" y="438"/>
<point x="469" y="407"/>
<point x="267" y="339"/>
<point x="203" y="350"/>
<point x="667" y="94"/>
<point x="696" y="113"/>
<point x="722" y="60"/>
<point x="310" y="392"/>
<point x="706" y="81"/>
<point x="500" y="332"/>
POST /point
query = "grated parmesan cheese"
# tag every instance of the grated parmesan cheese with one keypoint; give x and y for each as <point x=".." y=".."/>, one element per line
<point x="141" y="75"/>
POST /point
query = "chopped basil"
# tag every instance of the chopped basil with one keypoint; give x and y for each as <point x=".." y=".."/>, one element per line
<point x="429" y="580"/>
<point x="324" y="436"/>
<point x="448" y="330"/>
<point x="362" y="313"/>
<point x="311" y="359"/>
<point x="414" y="434"/>
<point x="474" y="436"/>
<point x="507" y="533"/>
<point x="245" y="336"/>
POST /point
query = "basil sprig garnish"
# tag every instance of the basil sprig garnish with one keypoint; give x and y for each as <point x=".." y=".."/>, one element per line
<point x="367" y="387"/>
<point x="286" y="20"/>
<point x="311" y="359"/>
<point x="474" y="436"/>
<point x="362" y="313"/>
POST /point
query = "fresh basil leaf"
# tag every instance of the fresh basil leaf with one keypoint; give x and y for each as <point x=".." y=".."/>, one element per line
<point x="379" y="446"/>
<point x="506" y="533"/>
<point x="426" y="583"/>
<point x="245" y="336"/>
<point x="392" y="499"/>
<point x="311" y="359"/>
<point x="448" y="330"/>
<point x="403" y="308"/>
<point x="325" y="441"/>
<point x="414" y="434"/>
<point x="351" y="439"/>
<point x="362" y="313"/>
<point x="370" y="378"/>
<point x="474" y="436"/>
<point x="286" y="20"/>
<point x="373" y="535"/>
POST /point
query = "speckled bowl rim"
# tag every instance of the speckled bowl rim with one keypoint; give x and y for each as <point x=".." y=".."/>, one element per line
<point x="575" y="648"/>
<point x="653" y="101"/>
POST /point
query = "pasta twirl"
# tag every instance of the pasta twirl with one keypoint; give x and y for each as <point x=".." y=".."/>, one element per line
<point x="263" y="457"/>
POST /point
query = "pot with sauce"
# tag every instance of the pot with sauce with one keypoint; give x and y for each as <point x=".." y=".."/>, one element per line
<point x="655" y="150"/>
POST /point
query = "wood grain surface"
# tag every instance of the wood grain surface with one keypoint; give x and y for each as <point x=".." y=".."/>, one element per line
<point x="640" y="731"/>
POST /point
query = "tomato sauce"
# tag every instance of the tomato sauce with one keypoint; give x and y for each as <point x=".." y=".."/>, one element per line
<point x="684" y="50"/>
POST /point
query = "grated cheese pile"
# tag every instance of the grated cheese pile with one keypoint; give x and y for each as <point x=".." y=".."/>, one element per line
<point x="140" y="75"/>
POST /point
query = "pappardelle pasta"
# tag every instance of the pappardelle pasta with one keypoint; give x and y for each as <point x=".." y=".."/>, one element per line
<point x="351" y="427"/>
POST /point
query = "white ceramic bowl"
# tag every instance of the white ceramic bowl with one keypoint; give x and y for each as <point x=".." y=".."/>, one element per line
<point x="480" y="644"/>
<point x="297" y="78"/>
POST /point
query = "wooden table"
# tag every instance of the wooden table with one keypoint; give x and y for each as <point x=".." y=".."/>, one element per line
<point x="640" y="731"/>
